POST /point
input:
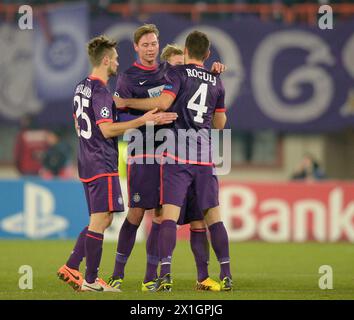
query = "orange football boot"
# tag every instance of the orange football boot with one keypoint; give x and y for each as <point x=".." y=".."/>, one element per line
<point x="71" y="276"/>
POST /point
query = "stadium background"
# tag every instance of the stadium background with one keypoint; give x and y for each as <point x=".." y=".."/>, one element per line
<point x="289" y="91"/>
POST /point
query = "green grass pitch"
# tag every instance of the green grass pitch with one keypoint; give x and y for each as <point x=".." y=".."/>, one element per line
<point x="260" y="271"/>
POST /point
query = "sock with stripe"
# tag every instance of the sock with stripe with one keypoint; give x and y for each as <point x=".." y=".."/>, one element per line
<point x="93" y="252"/>
<point x="78" y="252"/>
<point x="126" y="241"/>
<point x="200" y="248"/>
<point x="167" y="243"/>
<point x="220" y="244"/>
<point x="152" y="253"/>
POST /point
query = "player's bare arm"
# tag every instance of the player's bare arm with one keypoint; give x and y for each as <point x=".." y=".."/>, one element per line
<point x="163" y="102"/>
<point x="219" y="120"/>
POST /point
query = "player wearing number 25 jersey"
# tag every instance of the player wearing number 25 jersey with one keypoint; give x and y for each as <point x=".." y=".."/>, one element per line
<point x="95" y="121"/>
<point x="97" y="156"/>
<point x="97" y="165"/>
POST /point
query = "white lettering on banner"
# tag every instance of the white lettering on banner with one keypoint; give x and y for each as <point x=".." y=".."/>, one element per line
<point x="302" y="209"/>
<point x="347" y="57"/>
<point x="280" y="216"/>
<point x="278" y="219"/>
<point x="341" y="219"/>
<point x="245" y="212"/>
<point x="312" y="72"/>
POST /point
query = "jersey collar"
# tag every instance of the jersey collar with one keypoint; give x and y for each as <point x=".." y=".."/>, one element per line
<point x="140" y="66"/>
<point x="91" y="77"/>
<point x="198" y="65"/>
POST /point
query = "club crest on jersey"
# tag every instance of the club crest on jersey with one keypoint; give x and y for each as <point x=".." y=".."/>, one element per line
<point x="104" y="112"/>
<point x="136" y="197"/>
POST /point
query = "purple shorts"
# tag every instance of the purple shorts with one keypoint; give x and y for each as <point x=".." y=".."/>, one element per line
<point x="104" y="195"/>
<point x="177" y="178"/>
<point x="143" y="185"/>
<point x="190" y="210"/>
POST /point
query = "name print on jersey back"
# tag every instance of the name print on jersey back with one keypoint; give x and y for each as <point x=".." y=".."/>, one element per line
<point x="206" y="76"/>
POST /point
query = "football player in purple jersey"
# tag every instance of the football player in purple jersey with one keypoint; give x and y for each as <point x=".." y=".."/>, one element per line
<point x="144" y="79"/>
<point x="95" y="117"/>
<point x="190" y="211"/>
<point x="197" y="96"/>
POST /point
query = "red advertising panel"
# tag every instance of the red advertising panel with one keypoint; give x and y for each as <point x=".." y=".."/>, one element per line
<point x="286" y="212"/>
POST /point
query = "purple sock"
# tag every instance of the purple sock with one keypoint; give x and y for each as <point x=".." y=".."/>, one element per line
<point x="93" y="252"/>
<point x="167" y="243"/>
<point x="200" y="247"/>
<point x="152" y="253"/>
<point x="78" y="252"/>
<point x="125" y="246"/>
<point x="220" y="243"/>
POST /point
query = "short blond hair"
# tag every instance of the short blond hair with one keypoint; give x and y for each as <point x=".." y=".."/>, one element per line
<point x="143" y="30"/>
<point x="170" y="50"/>
<point x="98" y="47"/>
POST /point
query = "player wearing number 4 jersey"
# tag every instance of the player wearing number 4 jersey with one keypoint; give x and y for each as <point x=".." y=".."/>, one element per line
<point x="190" y="212"/>
<point x="146" y="78"/>
<point x="197" y="96"/>
<point x="95" y="118"/>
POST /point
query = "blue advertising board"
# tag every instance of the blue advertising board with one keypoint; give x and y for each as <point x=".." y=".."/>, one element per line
<point x="37" y="209"/>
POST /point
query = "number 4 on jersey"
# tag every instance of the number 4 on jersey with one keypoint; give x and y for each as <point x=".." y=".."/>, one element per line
<point x="200" y="107"/>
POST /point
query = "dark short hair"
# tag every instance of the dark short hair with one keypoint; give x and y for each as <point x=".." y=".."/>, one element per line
<point x="98" y="47"/>
<point x="198" y="45"/>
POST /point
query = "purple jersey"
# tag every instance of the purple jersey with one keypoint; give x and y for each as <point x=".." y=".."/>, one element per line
<point x="141" y="82"/>
<point x="92" y="105"/>
<point x="198" y="95"/>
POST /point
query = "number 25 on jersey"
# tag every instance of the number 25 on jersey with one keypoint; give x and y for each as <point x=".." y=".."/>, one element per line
<point x="81" y="104"/>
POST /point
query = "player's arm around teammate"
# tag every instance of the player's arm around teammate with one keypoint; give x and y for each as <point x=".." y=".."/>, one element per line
<point x="95" y="115"/>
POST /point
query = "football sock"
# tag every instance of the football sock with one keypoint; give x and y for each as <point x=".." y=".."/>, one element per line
<point x="78" y="252"/>
<point x="220" y="244"/>
<point x="152" y="253"/>
<point x="93" y="252"/>
<point x="167" y="243"/>
<point x="125" y="246"/>
<point x="200" y="248"/>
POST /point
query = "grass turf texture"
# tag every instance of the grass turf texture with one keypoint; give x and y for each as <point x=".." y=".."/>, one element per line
<point x="260" y="271"/>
